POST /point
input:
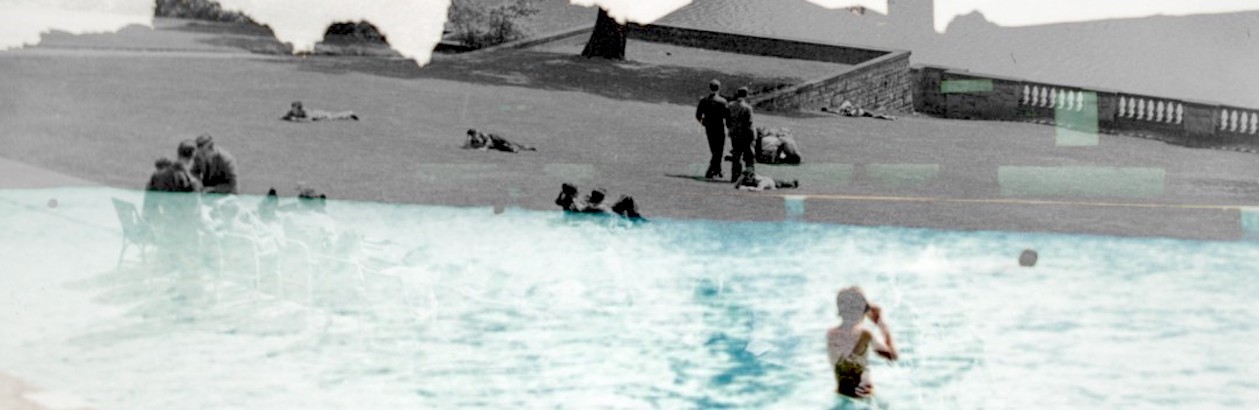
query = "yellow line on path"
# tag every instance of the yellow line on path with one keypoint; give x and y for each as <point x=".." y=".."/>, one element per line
<point x="1010" y="201"/>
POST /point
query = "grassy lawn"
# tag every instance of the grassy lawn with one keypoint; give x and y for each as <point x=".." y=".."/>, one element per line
<point x="628" y="127"/>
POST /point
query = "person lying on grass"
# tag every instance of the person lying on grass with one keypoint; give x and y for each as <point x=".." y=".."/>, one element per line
<point x="749" y="181"/>
<point x="847" y="109"/>
<point x="299" y="114"/>
<point x="485" y="142"/>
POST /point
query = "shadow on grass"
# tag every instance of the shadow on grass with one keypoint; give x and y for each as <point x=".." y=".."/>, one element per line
<point x="626" y="80"/>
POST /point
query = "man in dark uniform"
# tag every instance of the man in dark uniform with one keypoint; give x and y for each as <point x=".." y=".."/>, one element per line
<point x="711" y="112"/>
<point x="742" y="137"/>
<point x="214" y="167"/>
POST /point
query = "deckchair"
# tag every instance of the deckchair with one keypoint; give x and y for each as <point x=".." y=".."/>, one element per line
<point x="135" y="230"/>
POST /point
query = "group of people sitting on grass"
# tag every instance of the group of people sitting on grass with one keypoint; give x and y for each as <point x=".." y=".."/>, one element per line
<point x="596" y="203"/>
<point x="193" y="197"/>
<point x="774" y="146"/>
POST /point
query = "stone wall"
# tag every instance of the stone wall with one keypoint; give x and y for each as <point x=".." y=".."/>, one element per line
<point x="879" y="79"/>
<point x="754" y="45"/>
<point x="955" y="93"/>
<point x="882" y="84"/>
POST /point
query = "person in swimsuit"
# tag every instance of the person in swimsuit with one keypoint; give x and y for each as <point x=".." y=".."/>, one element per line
<point x="847" y="344"/>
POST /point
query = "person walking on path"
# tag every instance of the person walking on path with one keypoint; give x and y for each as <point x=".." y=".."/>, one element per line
<point x="742" y="136"/>
<point x="711" y="113"/>
<point x="214" y="167"/>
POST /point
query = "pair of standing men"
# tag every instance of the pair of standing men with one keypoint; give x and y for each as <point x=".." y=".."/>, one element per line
<point x="717" y="115"/>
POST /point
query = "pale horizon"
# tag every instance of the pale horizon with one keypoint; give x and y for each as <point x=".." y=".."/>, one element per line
<point x="414" y="27"/>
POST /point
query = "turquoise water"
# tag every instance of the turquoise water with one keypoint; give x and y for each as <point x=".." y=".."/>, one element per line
<point x="465" y="308"/>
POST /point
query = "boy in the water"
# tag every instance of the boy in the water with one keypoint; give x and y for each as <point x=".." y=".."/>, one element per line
<point x="847" y="344"/>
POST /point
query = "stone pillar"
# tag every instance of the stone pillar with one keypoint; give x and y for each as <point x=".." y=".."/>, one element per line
<point x="927" y="96"/>
<point x="1201" y="121"/>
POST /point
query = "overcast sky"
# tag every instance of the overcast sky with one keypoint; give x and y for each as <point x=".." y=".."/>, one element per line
<point x="414" y="26"/>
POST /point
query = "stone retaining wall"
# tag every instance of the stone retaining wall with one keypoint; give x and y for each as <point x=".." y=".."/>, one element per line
<point x="956" y="93"/>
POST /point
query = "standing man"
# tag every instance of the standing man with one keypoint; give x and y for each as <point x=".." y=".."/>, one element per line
<point x="712" y="114"/>
<point x="742" y="136"/>
<point x="214" y="167"/>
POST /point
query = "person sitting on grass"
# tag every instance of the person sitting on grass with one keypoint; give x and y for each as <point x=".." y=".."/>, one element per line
<point x="568" y="199"/>
<point x="776" y="146"/>
<point x="750" y="181"/>
<point x="594" y="202"/>
<point x="847" y="343"/>
<point x="626" y="208"/>
<point x="847" y="109"/>
<point x="162" y="163"/>
<point x="299" y="114"/>
<point x="484" y="142"/>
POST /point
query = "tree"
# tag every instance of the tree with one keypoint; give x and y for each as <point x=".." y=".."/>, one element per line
<point x="607" y="40"/>
<point x="477" y="25"/>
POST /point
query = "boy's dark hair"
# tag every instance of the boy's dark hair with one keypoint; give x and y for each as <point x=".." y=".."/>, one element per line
<point x="186" y="149"/>
<point x="162" y="163"/>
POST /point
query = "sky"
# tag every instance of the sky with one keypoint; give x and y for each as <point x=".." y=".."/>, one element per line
<point x="414" y="27"/>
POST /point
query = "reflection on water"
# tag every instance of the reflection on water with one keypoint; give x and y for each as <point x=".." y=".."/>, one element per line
<point x="462" y="308"/>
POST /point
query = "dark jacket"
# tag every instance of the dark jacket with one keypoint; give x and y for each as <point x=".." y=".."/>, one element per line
<point x="712" y="112"/>
<point x="171" y="196"/>
<point x="740" y="115"/>
<point x="217" y="171"/>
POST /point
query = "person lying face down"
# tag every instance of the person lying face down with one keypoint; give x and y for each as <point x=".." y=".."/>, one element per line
<point x="484" y="142"/>
<point x="750" y="181"/>
<point x="298" y="114"/>
<point x="847" y="109"/>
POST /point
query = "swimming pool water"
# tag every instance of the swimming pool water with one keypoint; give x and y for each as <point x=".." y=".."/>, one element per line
<point x="465" y="308"/>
